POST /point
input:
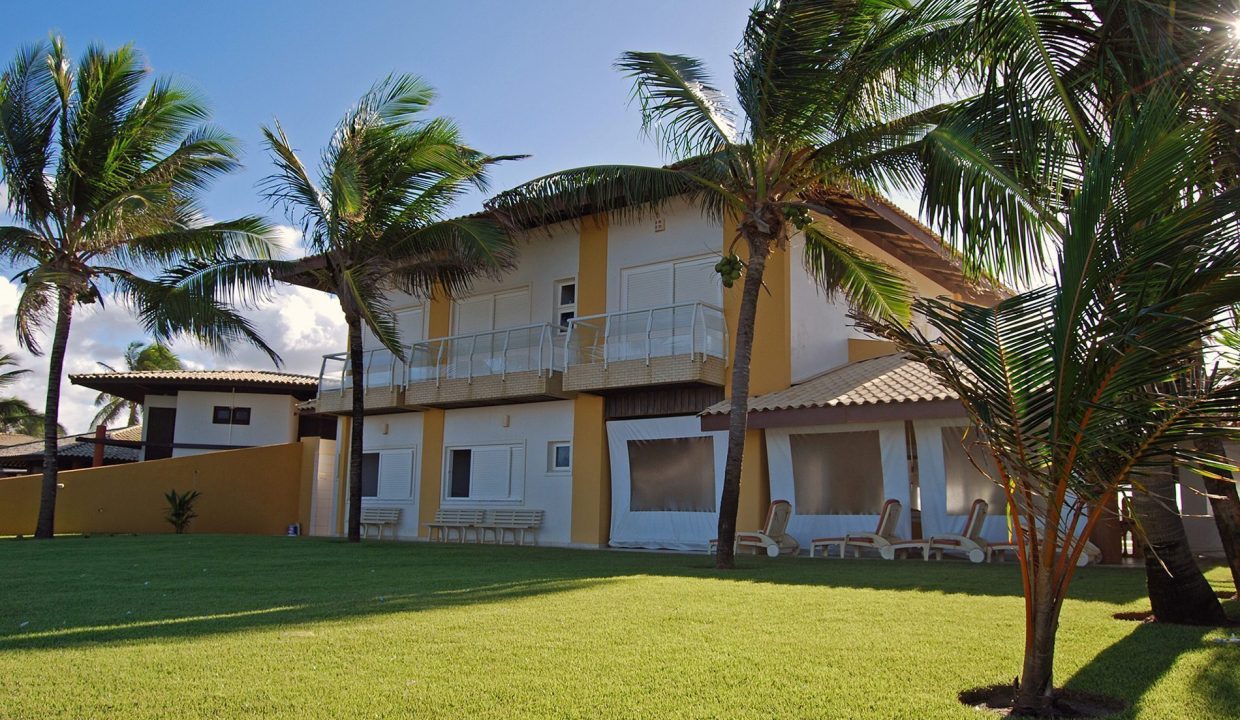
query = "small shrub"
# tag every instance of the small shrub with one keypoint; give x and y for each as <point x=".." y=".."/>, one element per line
<point x="181" y="508"/>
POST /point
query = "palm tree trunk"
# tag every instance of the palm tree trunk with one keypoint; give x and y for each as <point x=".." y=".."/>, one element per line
<point x="1034" y="697"/>
<point x="1179" y="593"/>
<point x="358" y="414"/>
<point x="738" y="423"/>
<point x="1226" y="506"/>
<point x="51" y="414"/>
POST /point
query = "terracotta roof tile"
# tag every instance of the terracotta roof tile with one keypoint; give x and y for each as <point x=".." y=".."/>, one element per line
<point x="888" y="379"/>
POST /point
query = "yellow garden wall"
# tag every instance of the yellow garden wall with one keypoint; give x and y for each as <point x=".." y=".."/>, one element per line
<point x="255" y="491"/>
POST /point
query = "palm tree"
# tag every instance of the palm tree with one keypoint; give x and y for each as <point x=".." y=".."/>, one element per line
<point x="16" y="415"/>
<point x="138" y="357"/>
<point x="829" y="98"/>
<point x="1054" y="77"/>
<point x="375" y="222"/>
<point x="1092" y="383"/>
<point x="103" y="177"/>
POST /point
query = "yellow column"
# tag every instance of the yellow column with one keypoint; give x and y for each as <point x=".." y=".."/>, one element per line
<point x="343" y="444"/>
<point x="770" y="367"/>
<point x="591" y="521"/>
<point x="439" y="324"/>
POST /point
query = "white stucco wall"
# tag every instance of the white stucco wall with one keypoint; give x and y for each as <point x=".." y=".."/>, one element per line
<point x="533" y="426"/>
<point x="543" y="260"/>
<point x="273" y="420"/>
<point x="400" y="431"/>
<point x="820" y="327"/>
<point x="687" y="234"/>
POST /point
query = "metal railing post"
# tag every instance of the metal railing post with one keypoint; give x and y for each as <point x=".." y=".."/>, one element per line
<point x="503" y="373"/>
<point x="650" y="326"/>
<point x="606" y="340"/>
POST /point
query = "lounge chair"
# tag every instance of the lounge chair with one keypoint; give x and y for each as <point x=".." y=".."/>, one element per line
<point x="1092" y="553"/>
<point x="880" y="540"/>
<point x="969" y="541"/>
<point x="773" y="539"/>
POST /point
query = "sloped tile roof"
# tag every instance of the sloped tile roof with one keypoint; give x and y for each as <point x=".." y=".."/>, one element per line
<point x="223" y="376"/>
<point x="73" y="446"/>
<point x="887" y="379"/>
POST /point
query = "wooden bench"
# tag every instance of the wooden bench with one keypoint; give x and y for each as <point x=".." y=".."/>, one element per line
<point x="448" y="519"/>
<point x="501" y="522"/>
<point x="379" y="518"/>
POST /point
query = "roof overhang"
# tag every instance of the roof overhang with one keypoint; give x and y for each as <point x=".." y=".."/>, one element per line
<point x="842" y="415"/>
<point x="135" y="388"/>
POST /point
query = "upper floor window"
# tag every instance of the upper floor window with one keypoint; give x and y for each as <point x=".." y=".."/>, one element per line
<point x="565" y="302"/>
<point x="224" y="415"/>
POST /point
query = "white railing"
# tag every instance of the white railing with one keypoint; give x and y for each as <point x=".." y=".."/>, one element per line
<point x="381" y="369"/>
<point x="530" y="348"/>
<point x="694" y="329"/>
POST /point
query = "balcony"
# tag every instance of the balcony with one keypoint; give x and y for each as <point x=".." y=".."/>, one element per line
<point x="383" y="382"/>
<point x="668" y="345"/>
<point x="522" y="364"/>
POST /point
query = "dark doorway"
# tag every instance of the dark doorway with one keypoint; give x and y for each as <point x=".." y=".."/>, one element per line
<point x="161" y="422"/>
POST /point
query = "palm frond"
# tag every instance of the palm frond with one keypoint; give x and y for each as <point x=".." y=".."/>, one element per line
<point x="680" y="106"/>
<point x="869" y="285"/>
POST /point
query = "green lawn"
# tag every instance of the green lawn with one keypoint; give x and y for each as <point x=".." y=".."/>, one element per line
<point x="228" y="627"/>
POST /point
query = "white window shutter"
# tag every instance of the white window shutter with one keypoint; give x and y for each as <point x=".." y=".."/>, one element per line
<point x="473" y="315"/>
<point x="697" y="281"/>
<point x="648" y="287"/>
<point x="490" y="475"/>
<point x="512" y="309"/>
<point x="410" y="324"/>
<point x="396" y="474"/>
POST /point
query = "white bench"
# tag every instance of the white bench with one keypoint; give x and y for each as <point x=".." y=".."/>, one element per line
<point x="501" y="522"/>
<point x="450" y="519"/>
<point x="379" y="518"/>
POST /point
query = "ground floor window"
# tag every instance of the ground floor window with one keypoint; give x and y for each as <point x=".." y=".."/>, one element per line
<point x="388" y="474"/>
<point x="837" y="473"/>
<point x="672" y="475"/>
<point x="489" y="472"/>
<point x="965" y="482"/>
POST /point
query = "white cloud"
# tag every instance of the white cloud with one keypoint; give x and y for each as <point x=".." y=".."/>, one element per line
<point x="300" y="324"/>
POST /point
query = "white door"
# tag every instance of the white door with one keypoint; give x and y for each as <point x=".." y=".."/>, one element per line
<point x="484" y="354"/>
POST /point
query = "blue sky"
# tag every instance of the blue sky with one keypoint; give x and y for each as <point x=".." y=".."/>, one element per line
<point x="519" y="76"/>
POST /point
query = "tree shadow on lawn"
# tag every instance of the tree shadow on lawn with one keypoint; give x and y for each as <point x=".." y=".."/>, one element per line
<point x="75" y="592"/>
<point x="1131" y="667"/>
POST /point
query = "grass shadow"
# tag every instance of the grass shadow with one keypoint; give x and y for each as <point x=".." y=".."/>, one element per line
<point x="79" y="591"/>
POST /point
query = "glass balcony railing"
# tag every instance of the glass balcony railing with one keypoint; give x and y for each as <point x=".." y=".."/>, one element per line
<point x="381" y="369"/>
<point x="530" y="348"/>
<point x="686" y="329"/>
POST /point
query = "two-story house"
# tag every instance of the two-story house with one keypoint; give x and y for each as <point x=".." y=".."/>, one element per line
<point x="588" y="383"/>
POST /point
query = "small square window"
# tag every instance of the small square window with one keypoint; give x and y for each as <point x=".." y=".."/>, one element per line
<point x="222" y="415"/>
<point x="566" y="316"/>
<point x="560" y="457"/>
<point x="241" y="416"/>
<point x="568" y="294"/>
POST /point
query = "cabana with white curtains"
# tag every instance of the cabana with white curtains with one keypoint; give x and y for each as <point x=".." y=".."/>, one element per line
<point x="838" y="476"/>
<point x="666" y="479"/>
<point x="950" y="482"/>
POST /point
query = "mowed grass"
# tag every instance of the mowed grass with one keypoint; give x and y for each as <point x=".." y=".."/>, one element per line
<point x="230" y="627"/>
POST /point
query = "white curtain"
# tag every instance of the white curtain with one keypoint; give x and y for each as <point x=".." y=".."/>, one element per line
<point x="630" y="440"/>
<point x="892" y="476"/>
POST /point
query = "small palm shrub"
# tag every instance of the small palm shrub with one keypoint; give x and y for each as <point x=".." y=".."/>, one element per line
<point x="181" y="508"/>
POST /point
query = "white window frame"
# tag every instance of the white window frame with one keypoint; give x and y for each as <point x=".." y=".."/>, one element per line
<point x="558" y="308"/>
<point x="516" y="484"/>
<point x="671" y="265"/>
<point x="551" y="457"/>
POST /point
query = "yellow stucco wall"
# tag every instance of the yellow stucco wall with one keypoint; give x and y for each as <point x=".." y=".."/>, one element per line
<point x="591" y="521"/>
<point x="251" y="491"/>
<point x="439" y="324"/>
<point x="865" y="349"/>
<point x="432" y="468"/>
<point x="770" y="367"/>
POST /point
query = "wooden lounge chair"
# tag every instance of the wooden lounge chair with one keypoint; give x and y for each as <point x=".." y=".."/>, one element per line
<point x="880" y="540"/>
<point x="969" y="541"/>
<point x="1092" y="553"/>
<point x="772" y="539"/>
